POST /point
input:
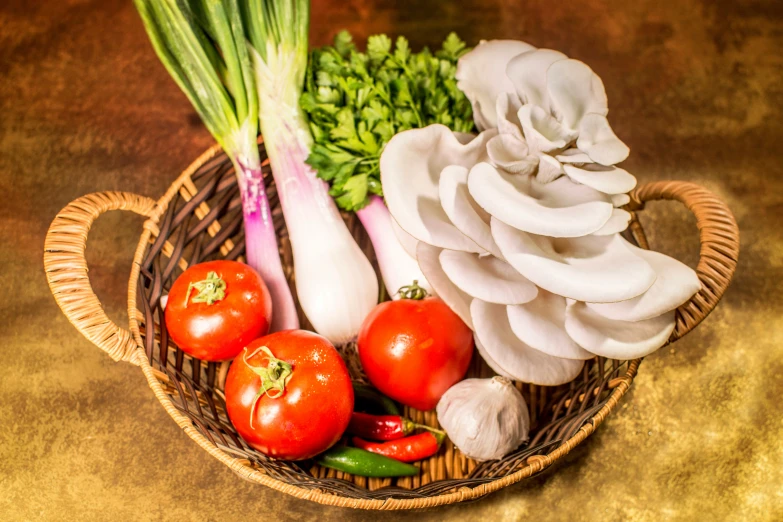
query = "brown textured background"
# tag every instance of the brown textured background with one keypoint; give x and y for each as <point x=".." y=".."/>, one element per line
<point x="696" y="90"/>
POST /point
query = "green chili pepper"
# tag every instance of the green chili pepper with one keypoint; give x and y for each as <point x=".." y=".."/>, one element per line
<point x="368" y="395"/>
<point x="364" y="463"/>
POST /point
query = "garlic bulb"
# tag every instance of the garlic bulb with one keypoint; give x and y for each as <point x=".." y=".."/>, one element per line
<point x="518" y="229"/>
<point x="485" y="418"/>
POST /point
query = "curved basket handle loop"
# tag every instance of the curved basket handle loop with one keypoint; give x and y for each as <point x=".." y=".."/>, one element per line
<point x="719" y="237"/>
<point x="66" y="268"/>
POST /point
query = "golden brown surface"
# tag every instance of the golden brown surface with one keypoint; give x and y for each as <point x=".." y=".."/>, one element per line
<point x="696" y="90"/>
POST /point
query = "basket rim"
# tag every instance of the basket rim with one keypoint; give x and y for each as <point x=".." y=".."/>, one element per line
<point x="534" y="464"/>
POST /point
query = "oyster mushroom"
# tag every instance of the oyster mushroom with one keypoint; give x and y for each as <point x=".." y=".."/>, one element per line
<point x="456" y="299"/>
<point x="574" y="91"/>
<point x="407" y="241"/>
<point x="601" y="269"/>
<point x="560" y="208"/>
<point x="518" y="359"/>
<point x="599" y="141"/>
<point x="528" y="74"/>
<point x="462" y="210"/>
<point x="616" y="224"/>
<point x="411" y="165"/>
<point x="481" y="75"/>
<point x="616" y="339"/>
<point x="540" y="324"/>
<point x="609" y="180"/>
<point x="544" y="134"/>
<point x="674" y="285"/>
<point x="487" y="278"/>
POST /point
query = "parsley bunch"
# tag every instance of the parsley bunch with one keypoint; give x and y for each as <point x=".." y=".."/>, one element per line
<point x="357" y="101"/>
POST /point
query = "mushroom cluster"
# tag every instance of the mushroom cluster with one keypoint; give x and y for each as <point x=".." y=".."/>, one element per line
<point x="518" y="228"/>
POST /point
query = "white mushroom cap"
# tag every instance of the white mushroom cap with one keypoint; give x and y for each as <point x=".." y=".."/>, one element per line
<point x="487" y="278"/>
<point x="512" y="355"/>
<point x="463" y="211"/>
<point x="574" y="91"/>
<point x="549" y="169"/>
<point x="675" y="284"/>
<point x="489" y="360"/>
<point x="599" y="141"/>
<point x="609" y="180"/>
<point x="544" y="134"/>
<point x="481" y="75"/>
<point x="573" y="156"/>
<point x="616" y="224"/>
<point x="456" y="299"/>
<point x="540" y="324"/>
<point x="528" y="75"/>
<point x="411" y="165"/>
<point x="618" y="200"/>
<point x="601" y="269"/>
<point x="617" y="339"/>
<point x="559" y="209"/>
<point x="408" y="242"/>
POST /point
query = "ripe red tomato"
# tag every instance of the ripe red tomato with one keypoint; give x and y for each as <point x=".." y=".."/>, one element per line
<point x="215" y="309"/>
<point x="413" y="351"/>
<point x="302" y="413"/>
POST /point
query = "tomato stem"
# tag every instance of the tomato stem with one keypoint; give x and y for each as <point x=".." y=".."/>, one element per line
<point x="274" y="377"/>
<point x="413" y="291"/>
<point x="210" y="290"/>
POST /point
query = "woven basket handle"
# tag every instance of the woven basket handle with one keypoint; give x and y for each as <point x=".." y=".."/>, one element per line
<point x="719" y="237"/>
<point x="66" y="268"/>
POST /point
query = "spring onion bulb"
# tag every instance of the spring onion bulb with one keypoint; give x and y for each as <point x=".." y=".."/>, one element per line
<point x="398" y="268"/>
<point x="335" y="282"/>
<point x="202" y="45"/>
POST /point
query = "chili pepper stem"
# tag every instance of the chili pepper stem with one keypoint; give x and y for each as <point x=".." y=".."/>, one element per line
<point x="439" y="435"/>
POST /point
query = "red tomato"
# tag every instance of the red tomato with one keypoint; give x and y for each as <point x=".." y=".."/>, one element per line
<point x="240" y="311"/>
<point x="413" y="351"/>
<point x="303" y="413"/>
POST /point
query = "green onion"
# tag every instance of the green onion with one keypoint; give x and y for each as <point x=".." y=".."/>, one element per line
<point x="202" y="45"/>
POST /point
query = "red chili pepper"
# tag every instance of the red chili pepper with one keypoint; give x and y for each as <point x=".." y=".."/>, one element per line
<point x="409" y="449"/>
<point x="380" y="427"/>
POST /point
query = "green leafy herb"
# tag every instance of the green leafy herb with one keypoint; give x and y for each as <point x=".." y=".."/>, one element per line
<point x="357" y="101"/>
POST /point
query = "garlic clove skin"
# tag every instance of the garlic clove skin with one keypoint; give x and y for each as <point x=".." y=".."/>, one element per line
<point x="456" y="299"/>
<point x="411" y="164"/>
<point x="484" y="418"/>
<point x="487" y="278"/>
<point x="481" y="75"/>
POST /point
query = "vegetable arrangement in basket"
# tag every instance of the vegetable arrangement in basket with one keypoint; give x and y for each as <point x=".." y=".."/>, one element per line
<point x="509" y="239"/>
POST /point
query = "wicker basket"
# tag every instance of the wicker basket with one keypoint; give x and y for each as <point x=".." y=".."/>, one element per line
<point x="199" y="218"/>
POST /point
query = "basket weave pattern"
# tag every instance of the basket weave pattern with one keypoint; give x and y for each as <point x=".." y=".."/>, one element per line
<point x="200" y="219"/>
